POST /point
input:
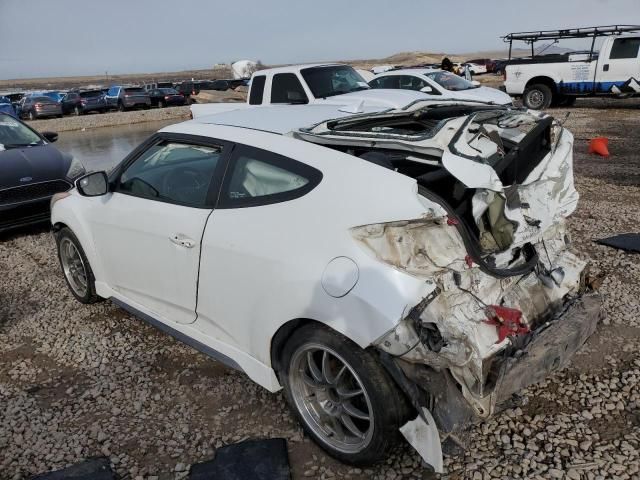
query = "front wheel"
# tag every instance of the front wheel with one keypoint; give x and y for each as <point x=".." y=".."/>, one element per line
<point x="537" y="97"/>
<point x="75" y="266"/>
<point x="121" y="107"/>
<point x="342" y="395"/>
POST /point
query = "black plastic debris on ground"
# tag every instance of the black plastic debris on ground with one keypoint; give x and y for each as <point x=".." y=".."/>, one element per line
<point x="249" y="460"/>
<point x="629" y="242"/>
<point x="98" y="468"/>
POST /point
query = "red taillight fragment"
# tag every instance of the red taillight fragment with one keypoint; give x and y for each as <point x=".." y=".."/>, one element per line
<point x="508" y="320"/>
<point x="468" y="260"/>
<point x="452" y="221"/>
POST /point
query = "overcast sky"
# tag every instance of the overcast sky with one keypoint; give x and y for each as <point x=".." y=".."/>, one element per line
<point x="88" y="37"/>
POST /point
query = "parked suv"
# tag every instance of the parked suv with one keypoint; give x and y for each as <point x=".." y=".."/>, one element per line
<point x="122" y="98"/>
<point x="84" y="102"/>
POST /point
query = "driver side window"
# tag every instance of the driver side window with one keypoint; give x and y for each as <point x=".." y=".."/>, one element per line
<point x="172" y="172"/>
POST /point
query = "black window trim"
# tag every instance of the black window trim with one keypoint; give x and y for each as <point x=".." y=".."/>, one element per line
<point x="287" y="163"/>
<point x="216" y="182"/>
<point x="620" y="41"/>
<point x="255" y="84"/>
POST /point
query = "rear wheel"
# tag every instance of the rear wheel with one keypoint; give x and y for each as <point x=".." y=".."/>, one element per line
<point x="75" y="266"/>
<point x="121" y="107"/>
<point x="76" y="111"/>
<point x="342" y="395"/>
<point x="537" y="96"/>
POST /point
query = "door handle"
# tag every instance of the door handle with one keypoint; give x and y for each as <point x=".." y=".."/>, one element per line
<point x="182" y="241"/>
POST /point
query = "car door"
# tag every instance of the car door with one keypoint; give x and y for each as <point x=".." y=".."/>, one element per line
<point x="619" y="67"/>
<point x="246" y="247"/>
<point x="148" y="229"/>
<point x="111" y="97"/>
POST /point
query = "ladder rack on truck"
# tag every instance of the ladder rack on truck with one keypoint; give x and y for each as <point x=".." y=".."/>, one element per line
<point x="584" y="32"/>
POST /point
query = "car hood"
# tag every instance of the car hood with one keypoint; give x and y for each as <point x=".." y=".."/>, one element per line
<point x="21" y="166"/>
<point x="379" y="97"/>
<point x="484" y="94"/>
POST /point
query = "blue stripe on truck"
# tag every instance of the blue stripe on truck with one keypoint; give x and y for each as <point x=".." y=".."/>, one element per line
<point x="588" y="87"/>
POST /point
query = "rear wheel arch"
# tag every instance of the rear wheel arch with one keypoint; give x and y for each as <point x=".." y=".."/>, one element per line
<point x="548" y="81"/>
<point x="282" y="335"/>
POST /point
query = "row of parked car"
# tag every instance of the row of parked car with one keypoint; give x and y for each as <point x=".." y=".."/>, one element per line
<point x="36" y="105"/>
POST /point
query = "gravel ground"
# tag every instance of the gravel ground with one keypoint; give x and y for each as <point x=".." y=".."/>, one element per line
<point x="78" y="381"/>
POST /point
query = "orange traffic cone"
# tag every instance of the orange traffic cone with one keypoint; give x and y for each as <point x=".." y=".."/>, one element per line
<point x="599" y="145"/>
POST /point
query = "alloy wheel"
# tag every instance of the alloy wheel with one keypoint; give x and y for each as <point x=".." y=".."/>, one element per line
<point x="74" y="268"/>
<point x="331" y="398"/>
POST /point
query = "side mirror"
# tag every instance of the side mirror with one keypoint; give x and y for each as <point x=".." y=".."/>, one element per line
<point x="50" y="136"/>
<point x="476" y="83"/>
<point x="426" y="89"/>
<point x="93" y="184"/>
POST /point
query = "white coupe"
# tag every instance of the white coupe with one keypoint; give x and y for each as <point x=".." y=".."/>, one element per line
<point x="406" y="270"/>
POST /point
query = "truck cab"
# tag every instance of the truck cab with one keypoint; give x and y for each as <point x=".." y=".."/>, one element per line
<point x="558" y="79"/>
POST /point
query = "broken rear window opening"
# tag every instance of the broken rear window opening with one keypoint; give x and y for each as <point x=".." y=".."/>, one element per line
<point x="440" y="147"/>
<point x="329" y="81"/>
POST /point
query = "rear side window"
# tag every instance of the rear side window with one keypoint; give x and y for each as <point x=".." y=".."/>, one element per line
<point x="625" y="48"/>
<point x="259" y="177"/>
<point x="392" y="81"/>
<point x="257" y="90"/>
<point x="286" y="88"/>
<point x="409" y="82"/>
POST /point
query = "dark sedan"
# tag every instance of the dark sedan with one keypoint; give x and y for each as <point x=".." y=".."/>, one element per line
<point x="165" y="97"/>
<point x="81" y="102"/>
<point x="34" y="107"/>
<point x="31" y="172"/>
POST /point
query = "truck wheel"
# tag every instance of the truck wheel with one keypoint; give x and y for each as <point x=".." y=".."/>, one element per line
<point x="342" y="395"/>
<point x="537" y="97"/>
<point x="121" y="107"/>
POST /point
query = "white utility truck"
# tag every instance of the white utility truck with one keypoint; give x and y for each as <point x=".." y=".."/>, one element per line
<point x="558" y="79"/>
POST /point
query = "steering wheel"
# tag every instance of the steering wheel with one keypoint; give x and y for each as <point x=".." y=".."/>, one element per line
<point x="183" y="184"/>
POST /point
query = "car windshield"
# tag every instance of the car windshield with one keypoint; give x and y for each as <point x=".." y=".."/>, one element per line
<point x="14" y="134"/>
<point x="329" y="81"/>
<point x="91" y="94"/>
<point x="450" y="81"/>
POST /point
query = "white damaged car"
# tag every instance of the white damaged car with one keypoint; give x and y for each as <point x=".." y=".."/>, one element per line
<point x="401" y="271"/>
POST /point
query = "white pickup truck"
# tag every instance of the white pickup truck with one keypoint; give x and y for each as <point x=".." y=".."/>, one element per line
<point x="328" y="84"/>
<point x="558" y="79"/>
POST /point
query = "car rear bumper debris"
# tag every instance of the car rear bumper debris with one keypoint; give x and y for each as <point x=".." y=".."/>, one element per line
<point x="546" y="350"/>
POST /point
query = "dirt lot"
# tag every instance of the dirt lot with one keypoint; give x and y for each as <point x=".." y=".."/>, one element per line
<point x="79" y="381"/>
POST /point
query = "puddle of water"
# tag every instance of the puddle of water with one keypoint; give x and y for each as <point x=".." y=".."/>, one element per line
<point x="103" y="148"/>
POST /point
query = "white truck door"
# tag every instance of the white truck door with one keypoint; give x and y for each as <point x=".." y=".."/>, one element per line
<point x="619" y="66"/>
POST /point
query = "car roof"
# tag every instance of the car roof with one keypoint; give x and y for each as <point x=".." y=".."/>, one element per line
<point x="297" y="68"/>
<point x="279" y="119"/>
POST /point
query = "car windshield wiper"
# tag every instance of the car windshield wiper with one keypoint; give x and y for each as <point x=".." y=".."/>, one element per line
<point x="19" y="145"/>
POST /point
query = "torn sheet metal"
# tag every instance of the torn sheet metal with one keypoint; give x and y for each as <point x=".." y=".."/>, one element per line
<point x="629" y="242"/>
<point x="422" y="435"/>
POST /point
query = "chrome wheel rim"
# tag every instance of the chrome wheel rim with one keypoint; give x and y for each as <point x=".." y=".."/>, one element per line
<point x="73" y="266"/>
<point x="536" y="99"/>
<point x="331" y="398"/>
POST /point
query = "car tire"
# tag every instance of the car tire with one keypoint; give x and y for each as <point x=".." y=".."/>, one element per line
<point x="161" y="104"/>
<point x="537" y="97"/>
<point x="75" y="267"/>
<point x="351" y="369"/>
<point x="121" y="107"/>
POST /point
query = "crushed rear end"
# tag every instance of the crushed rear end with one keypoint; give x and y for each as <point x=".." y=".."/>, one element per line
<point x="509" y="300"/>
